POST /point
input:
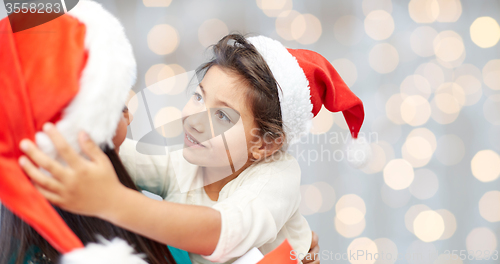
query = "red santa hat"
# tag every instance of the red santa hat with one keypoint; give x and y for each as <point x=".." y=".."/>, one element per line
<point x="308" y="81"/>
<point x="75" y="71"/>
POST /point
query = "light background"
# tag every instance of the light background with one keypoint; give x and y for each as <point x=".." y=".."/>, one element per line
<point x="428" y="72"/>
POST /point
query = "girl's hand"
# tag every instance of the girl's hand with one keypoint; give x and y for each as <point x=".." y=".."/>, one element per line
<point x="87" y="187"/>
<point x="312" y="251"/>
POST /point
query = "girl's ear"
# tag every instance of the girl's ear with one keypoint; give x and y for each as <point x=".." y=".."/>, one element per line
<point x="266" y="147"/>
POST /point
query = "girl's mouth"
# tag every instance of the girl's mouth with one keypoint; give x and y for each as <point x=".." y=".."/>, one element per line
<point x="190" y="141"/>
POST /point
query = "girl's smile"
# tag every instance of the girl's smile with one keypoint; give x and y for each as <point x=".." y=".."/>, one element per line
<point x="191" y="142"/>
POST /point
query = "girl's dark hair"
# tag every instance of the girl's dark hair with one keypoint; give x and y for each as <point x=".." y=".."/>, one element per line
<point x="16" y="237"/>
<point x="237" y="55"/>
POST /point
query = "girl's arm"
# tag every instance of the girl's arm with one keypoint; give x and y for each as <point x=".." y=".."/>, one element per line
<point x="91" y="187"/>
<point x="178" y="225"/>
<point x="149" y="172"/>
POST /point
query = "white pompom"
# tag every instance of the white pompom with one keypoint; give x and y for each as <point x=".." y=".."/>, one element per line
<point x="359" y="152"/>
<point x="116" y="251"/>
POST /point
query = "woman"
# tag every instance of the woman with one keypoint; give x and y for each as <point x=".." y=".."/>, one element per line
<point x="54" y="72"/>
<point x="20" y="243"/>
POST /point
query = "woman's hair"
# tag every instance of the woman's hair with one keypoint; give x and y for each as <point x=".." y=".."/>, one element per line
<point x="16" y="237"/>
<point x="235" y="54"/>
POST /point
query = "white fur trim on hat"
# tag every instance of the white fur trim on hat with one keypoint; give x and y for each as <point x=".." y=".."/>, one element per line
<point x="116" y="251"/>
<point x="105" y="82"/>
<point x="359" y="152"/>
<point x="295" y="98"/>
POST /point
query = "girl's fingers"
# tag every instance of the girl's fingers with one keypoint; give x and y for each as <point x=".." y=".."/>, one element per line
<point x="90" y="149"/>
<point x="314" y="249"/>
<point x="41" y="159"/>
<point x="314" y="241"/>
<point x="44" y="181"/>
<point x="63" y="148"/>
<point x="312" y="252"/>
<point x="51" y="197"/>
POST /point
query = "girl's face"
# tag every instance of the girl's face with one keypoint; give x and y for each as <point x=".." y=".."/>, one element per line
<point x="218" y="122"/>
<point x="121" y="130"/>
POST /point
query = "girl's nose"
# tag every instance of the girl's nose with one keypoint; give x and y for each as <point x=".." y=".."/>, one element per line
<point x="198" y="122"/>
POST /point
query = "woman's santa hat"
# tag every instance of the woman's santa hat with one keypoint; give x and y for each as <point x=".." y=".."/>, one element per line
<point x="308" y="81"/>
<point x="75" y="71"/>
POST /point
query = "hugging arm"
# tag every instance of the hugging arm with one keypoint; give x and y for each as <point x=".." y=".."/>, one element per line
<point x="91" y="187"/>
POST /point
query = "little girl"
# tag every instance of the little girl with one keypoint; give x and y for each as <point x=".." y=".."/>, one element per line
<point x="259" y="98"/>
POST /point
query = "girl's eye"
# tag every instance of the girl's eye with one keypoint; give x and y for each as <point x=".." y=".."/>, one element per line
<point x="197" y="97"/>
<point x="222" y="116"/>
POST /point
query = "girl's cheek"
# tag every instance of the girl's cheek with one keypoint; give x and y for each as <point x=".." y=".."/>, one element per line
<point x="236" y="136"/>
<point x="217" y="144"/>
<point x="217" y="156"/>
<point x="186" y="111"/>
<point x="237" y="145"/>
